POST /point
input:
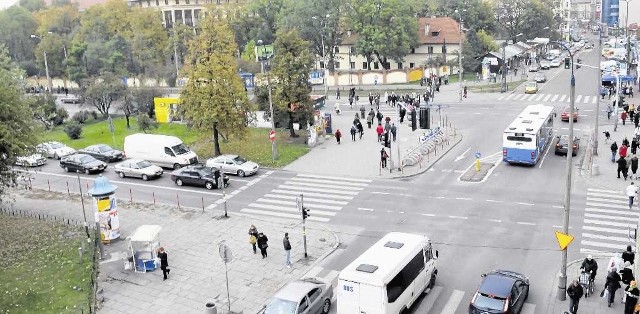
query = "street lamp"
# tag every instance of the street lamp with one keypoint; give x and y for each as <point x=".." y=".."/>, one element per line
<point x="504" y="87"/>
<point x="324" y="60"/>
<point x="46" y="64"/>
<point x="274" y="148"/>
<point x="460" y="55"/>
<point x="562" y="283"/>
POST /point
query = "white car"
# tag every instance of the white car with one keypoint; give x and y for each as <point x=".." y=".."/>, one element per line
<point x="55" y="150"/>
<point x="234" y="164"/>
<point x="34" y="160"/>
<point x="556" y="63"/>
<point x="138" y="168"/>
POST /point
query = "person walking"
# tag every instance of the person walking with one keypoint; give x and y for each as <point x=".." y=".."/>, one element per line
<point x="614" y="150"/>
<point x="632" y="110"/>
<point x="628" y="255"/>
<point x="574" y="292"/>
<point x="634" y="166"/>
<point x="379" y="131"/>
<point x="634" y="145"/>
<point x="287" y="250"/>
<point x="262" y="244"/>
<point x="338" y="93"/>
<point x="164" y="262"/>
<point x="622" y="151"/>
<point x="360" y="129"/>
<point x="636" y="120"/>
<point x="612" y="284"/>
<point x="383" y="158"/>
<point x="465" y="92"/>
<point x="403" y="112"/>
<point x="353" y="132"/>
<point x="631" y="297"/>
<point x="626" y="274"/>
<point x="362" y="111"/>
<point x="627" y="163"/>
<point x="370" y="118"/>
<point x="253" y="237"/>
<point x="631" y="192"/>
<point x="623" y="116"/>
<point x="609" y="111"/>
<point x="622" y="165"/>
<point x="379" y="116"/>
<point x="393" y="130"/>
<point x="338" y="135"/>
<point x="607" y="136"/>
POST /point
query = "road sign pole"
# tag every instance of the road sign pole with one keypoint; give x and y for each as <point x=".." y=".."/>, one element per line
<point x="304" y="227"/>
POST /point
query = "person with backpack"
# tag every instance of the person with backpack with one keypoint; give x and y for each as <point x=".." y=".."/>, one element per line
<point x="262" y="244"/>
<point x="253" y="237"/>
<point x="353" y="132"/>
<point x="383" y="158"/>
<point x="287" y="250"/>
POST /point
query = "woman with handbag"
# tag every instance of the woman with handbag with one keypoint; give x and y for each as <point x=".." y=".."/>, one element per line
<point x="262" y="244"/>
<point x="253" y="237"/>
<point x="611" y="285"/>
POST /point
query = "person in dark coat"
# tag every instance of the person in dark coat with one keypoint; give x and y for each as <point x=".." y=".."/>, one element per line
<point x="383" y="157"/>
<point x="574" y="291"/>
<point x="403" y="112"/>
<point x="612" y="284"/>
<point x="353" y="132"/>
<point x="634" y="145"/>
<point x="362" y="111"/>
<point x="360" y="129"/>
<point x="634" y="166"/>
<point x="589" y="265"/>
<point x="253" y="237"/>
<point x="628" y="255"/>
<point x="338" y="135"/>
<point x="370" y="118"/>
<point x="262" y="244"/>
<point x="625" y="142"/>
<point x="631" y="298"/>
<point x="379" y="116"/>
<point x="164" y="263"/>
<point x="393" y="130"/>
<point x="287" y="250"/>
<point x="614" y="150"/>
<point x="626" y="274"/>
<point x="622" y="166"/>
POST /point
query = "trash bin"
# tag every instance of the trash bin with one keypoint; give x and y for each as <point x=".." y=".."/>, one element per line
<point x="210" y="308"/>
<point x="595" y="170"/>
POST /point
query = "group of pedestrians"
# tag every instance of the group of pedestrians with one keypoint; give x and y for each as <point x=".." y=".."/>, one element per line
<point x="259" y="240"/>
<point x="627" y="157"/>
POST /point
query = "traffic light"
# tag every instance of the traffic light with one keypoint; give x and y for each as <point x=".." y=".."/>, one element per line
<point x="621" y="102"/>
<point x="567" y="63"/>
<point x="305" y="213"/>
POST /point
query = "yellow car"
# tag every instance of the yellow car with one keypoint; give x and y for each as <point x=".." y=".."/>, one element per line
<point x="531" y="88"/>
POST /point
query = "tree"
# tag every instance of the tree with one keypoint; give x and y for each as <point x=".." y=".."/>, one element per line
<point x="475" y="45"/>
<point x="386" y="29"/>
<point x="214" y="97"/>
<point x="536" y="14"/>
<point x="145" y="123"/>
<point x="291" y="67"/>
<point x="510" y="15"/>
<point x="18" y="25"/>
<point x="32" y="5"/>
<point x="18" y="134"/>
<point x="102" y="92"/>
<point x="44" y="109"/>
<point x="142" y="98"/>
<point x="148" y="41"/>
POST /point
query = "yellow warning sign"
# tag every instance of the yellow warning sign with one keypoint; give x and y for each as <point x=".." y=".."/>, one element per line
<point x="563" y="239"/>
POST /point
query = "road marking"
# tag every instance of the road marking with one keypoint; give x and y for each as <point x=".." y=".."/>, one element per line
<point x="494" y="201"/>
<point x="599" y="205"/>
<point x="609" y="217"/>
<point x="283" y="215"/>
<point x="458" y="217"/>
<point x="509" y="97"/>
<point x="606" y="238"/>
<point x="608" y="230"/>
<point x="594" y="100"/>
<point x="463" y="198"/>
<point x="620" y="247"/>
<point x="525" y="223"/>
<point x="296" y="179"/>
<point x="335" y="178"/>
<point x="558" y="206"/>
<point x="546" y="98"/>
<point x="340" y="197"/>
<point x="605" y="191"/>
<point x="555" y="97"/>
<point x="384" y="193"/>
<point x="333" y="186"/>
<point x="606" y="223"/>
<point x="365" y="209"/>
<point x="429" y="300"/>
<point x="290" y="209"/>
<point x="326" y="190"/>
<point x="438" y="197"/>
<point x="526" y="204"/>
<point x="586" y="100"/>
<point x="578" y="98"/>
<point x="495" y="220"/>
<point x="293" y="203"/>
<point x="562" y="97"/>
<point x="461" y="156"/>
<point x="306" y="199"/>
<point x="428" y="215"/>
<point x="612" y="211"/>
<point x="453" y="302"/>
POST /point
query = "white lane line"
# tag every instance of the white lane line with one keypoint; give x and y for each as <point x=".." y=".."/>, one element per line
<point x="501" y="97"/>
<point x="546" y="98"/>
<point x="334" y="178"/>
<point x="463" y="198"/>
<point x="453" y="302"/>
<point x="428" y="215"/>
<point x="607" y="230"/>
<point x="559" y="226"/>
<point x="578" y="98"/>
<point x="562" y="97"/>
<point x="290" y="209"/>
<point x="322" y="185"/>
<point x="293" y="203"/>
<point x="600" y="205"/>
<point x="493" y="201"/>
<point x="606" y="238"/>
<point x="595" y="99"/>
<point x="597" y="194"/>
<point x="525" y="223"/>
<point x="609" y="217"/>
<point x="604" y="191"/>
<point x="620" y="247"/>
<point x="458" y="217"/>
<point x="586" y="100"/>
<point x="340" y="197"/>
<point x="526" y="204"/>
<point x="366" y="209"/>
<point x="619" y="200"/>
<point x="558" y="206"/>
<point x="516" y="97"/>
<point x="509" y="97"/>
<point x="283" y="215"/>
<point x="306" y="199"/>
<point x="296" y="179"/>
<point x="495" y="220"/>
<point x="326" y="190"/>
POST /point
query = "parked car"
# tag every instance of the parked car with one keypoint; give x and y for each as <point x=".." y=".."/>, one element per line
<point x="162" y="150"/>
<point x="198" y="175"/>
<point x="540" y="77"/>
<point x="564" y="116"/>
<point x="562" y="147"/>
<point x="531" y="88"/>
<point x="303" y="296"/>
<point x="545" y="64"/>
<point x="34" y="160"/>
<point x="501" y="291"/>
<point x="82" y="163"/>
<point x="54" y="150"/>
<point x="103" y="152"/>
<point x="534" y="67"/>
<point x="555" y="63"/>
<point x="234" y="164"/>
<point x="138" y="168"/>
<point x="71" y="99"/>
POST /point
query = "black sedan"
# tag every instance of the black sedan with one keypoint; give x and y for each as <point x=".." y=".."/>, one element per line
<point x="562" y="148"/>
<point x="199" y="175"/>
<point x="103" y="152"/>
<point x="82" y="163"/>
<point x="501" y="291"/>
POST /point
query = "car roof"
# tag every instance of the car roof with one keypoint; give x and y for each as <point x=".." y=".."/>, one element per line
<point x="230" y="156"/>
<point x="496" y="284"/>
<point x="134" y="160"/>
<point x="98" y="145"/>
<point x="296" y="290"/>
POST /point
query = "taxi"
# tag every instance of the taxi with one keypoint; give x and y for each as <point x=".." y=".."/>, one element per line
<point x="531" y="88"/>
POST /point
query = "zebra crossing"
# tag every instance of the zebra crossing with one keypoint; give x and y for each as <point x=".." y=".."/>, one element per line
<point x="607" y="221"/>
<point x="324" y="196"/>
<point x="555" y="98"/>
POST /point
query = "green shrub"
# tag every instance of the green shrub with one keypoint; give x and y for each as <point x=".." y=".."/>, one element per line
<point x="73" y="130"/>
<point x="145" y="123"/>
<point x="81" y="116"/>
<point x="61" y="114"/>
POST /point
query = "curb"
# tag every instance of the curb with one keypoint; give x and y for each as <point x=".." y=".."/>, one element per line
<point x="425" y="169"/>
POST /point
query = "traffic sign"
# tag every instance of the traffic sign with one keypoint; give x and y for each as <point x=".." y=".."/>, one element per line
<point x="478" y="155"/>
<point x="272" y="135"/>
<point x="225" y="253"/>
<point x="563" y="239"/>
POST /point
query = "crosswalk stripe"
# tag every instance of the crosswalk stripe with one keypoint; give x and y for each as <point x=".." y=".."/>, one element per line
<point x="453" y="302"/>
<point x="540" y="97"/>
<point x="614" y="224"/>
<point x="555" y="96"/>
<point x="611" y="211"/>
<point x="290" y="209"/>
<point x="526" y="97"/>
<point x="607" y="200"/>
<point x="306" y="199"/>
<point x="325" y="190"/>
<point x="620" y="247"/>
<point x="333" y="178"/>
<point x="604" y="191"/>
<point x="586" y="100"/>
<point x="283" y="215"/>
<point x="296" y="179"/>
<point x="601" y="237"/>
<point x="609" y="217"/>
<point x="609" y="230"/>
<point x="340" y="197"/>
<point x="607" y="205"/>
<point x="510" y="97"/>
<point x="517" y="97"/>
<point x="568" y="99"/>
<point x="429" y="300"/>
<point x="578" y="98"/>
<point x="595" y="99"/>
<point x="603" y="253"/>
<point x="616" y="195"/>
<point x="322" y="185"/>
<point x="501" y="97"/>
<point x="546" y="98"/>
<point x="528" y="308"/>
<point x="562" y="97"/>
<point x="293" y="203"/>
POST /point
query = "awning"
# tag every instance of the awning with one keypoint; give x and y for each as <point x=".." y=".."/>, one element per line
<point x="612" y="78"/>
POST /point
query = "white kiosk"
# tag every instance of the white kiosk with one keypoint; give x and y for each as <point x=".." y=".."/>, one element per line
<point x="143" y="247"/>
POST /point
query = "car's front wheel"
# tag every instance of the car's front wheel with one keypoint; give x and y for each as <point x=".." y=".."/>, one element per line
<point x="241" y="173"/>
<point x="326" y="306"/>
<point x="178" y="182"/>
<point x="176" y="166"/>
<point x="121" y="175"/>
<point x="209" y="185"/>
<point x="145" y="177"/>
<point x="86" y="171"/>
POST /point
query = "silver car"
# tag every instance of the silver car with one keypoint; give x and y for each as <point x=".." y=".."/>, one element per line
<point x="304" y="296"/>
<point x="233" y="164"/>
<point x="54" y="150"/>
<point x="138" y="168"/>
<point x="34" y="160"/>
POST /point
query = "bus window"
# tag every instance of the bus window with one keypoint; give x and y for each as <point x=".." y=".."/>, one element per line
<point x="405" y="277"/>
<point x="519" y="138"/>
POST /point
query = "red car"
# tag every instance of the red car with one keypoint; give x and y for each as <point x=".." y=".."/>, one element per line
<point x="565" y="114"/>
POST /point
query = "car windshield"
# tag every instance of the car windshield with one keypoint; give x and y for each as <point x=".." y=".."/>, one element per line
<point x="104" y="148"/>
<point x="531" y="84"/>
<point x="144" y="164"/>
<point x="86" y="159"/>
<point x="239" y="160"/>
<point x="488" y="303"/>
<point x="180" y="149"/>
<point x="56" y="145"/>
<point x="279" y="306"/>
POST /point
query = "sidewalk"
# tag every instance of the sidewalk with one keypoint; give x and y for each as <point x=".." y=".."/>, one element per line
<point x="191" y="239"/>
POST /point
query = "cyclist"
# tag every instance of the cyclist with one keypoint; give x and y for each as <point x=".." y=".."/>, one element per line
<point x="590" y="266"/>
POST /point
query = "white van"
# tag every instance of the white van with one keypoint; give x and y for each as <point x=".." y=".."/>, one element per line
<point x="389" y="276"/>
<point x="162" y="150"/>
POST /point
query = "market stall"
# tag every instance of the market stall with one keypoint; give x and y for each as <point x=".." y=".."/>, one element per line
<point x="143" y="245"/>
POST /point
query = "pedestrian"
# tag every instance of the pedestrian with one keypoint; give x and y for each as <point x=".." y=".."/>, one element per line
<point x="379" y="131"/>
<point x="262" y="244"/>
<point x="622" y="151"/>
<point x="632" y="110"/>
<point x="287" y="250"/>
<point x="465" y="92"/>
<point x="607" y="136"/>
<point x="627" y="164"/>
<point x="622" y="164"/>
<point x="353" y="132"/>
<point x="634" y="166"/>
<point x="387" y="126"/>
<point x="628" y="255"/>
<point x="626" y="274"/>
<point x="370" y="99"/>
<point x="362" y="110"/>
<point x="383" y="158"/>
<point x="575" y="293"/>
<point x="164" y="263"/>
<point x="338" y="135"/>
<point x="631" y="300"/>
<point x="614" y="150"/>
<point x="356" y="119"/>
<point x="350" y="102"/>
<point x="603" y="91"/>
<point x="636" y="120"/>
<point x="623" y="116"/>
<point x="253" y="237"/>
<point x="403" y="112"/>
<point x="634" y="145"/>
<point x="379" y="116"/>
<point x="360" y="129"/>
<point x="393" y="130"/>
<point x="338" y="93"/>
<point x="611" y="285"/>
<point x="631" y="192"/>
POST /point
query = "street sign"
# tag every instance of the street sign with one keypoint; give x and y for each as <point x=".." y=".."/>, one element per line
<point x="563" y="239"/>
<point x="478" y="155"/>
<point x="272" y="135"/>
<point x="225" y="253"/>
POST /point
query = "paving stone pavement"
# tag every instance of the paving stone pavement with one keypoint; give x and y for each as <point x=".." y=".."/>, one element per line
<point x="191" y="239"/>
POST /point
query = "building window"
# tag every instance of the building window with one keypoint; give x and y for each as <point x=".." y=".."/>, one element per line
<point x="399" y="65"/>
<point x="336" y="65"/>
<point x="336" y="49"/>
<point x="413" y="50"/>
<point x="365" y="66"/>
<point x="352" y="50"/>
<point x="444" y="49"/>
<point x="322" y="64"/>
<point x="412" y="65"/>
<point x="352" y="65"/>
<point x="430" y="50"/>
<point x="166" y="2"/>
<point x="157" y="2"/>
<point x="376" y="66"/>
<point x="187" y="1"/>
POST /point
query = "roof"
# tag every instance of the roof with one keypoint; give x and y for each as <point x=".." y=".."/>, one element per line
<point x="530" y="119"/>
<point x="145" y="233"/>
<point x="431" y="30"/>
<point x="384" y="258"/>
<point x="496" y="284"/>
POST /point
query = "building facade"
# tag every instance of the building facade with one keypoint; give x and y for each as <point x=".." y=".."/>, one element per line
<point x="610" y="12"/>
<point x="186" y="12"/>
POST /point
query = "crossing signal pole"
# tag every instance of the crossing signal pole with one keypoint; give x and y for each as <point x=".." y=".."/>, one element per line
<point x="305" y="215"/>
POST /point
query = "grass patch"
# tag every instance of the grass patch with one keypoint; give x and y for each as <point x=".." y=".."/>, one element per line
<point x="40" y="267"/>
<point x="492" y="88"/>
<point x="255" y="146"/>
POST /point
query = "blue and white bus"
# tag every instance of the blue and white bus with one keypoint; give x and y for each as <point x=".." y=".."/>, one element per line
<point x="526" y="138"/>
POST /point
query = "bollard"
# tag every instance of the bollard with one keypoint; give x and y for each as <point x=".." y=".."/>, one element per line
<point x="68" y="192"/>
<point x="80" y="255"/>
<point x="87" y="185"/>
<point x="178" y="199"/>
<point x="49" y="185"/>
<point x="130" y="196"/>
<point x="202" y="200"/>
<point x="153" y="194"/>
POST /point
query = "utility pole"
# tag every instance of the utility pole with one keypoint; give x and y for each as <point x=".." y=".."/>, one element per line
<point x="598" y="84"/>
<point x="274" y="147"/>
<point x="460" y="56"/>
<point x="305" y="214"/>
<point x="504" y="69"/>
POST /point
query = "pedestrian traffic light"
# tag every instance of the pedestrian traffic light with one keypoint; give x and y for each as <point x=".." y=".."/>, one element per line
<point x="567" y="63"/>
<point x="305" y="213"/>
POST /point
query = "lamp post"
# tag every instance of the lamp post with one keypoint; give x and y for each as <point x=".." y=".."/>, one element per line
<point x="350" y="69"/>
<point x="323" y="23"/>
<point x="562" y="281"/>
<point x="598" y="83"/>
<point x="460" y="56"/>
<point x="46" y="64"/>
<point x="274" y="148"/>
